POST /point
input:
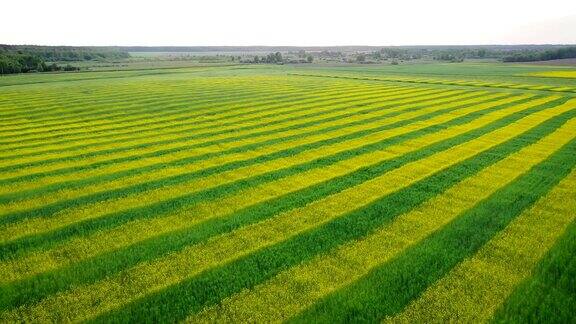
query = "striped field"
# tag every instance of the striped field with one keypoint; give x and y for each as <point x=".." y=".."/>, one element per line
<point x="268" y="194"/>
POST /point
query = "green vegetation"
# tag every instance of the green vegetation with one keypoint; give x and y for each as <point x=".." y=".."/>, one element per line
<point x="549" y="295"/>
<point x="23" y="58"/>
<point x="529" y="56"/>
<point x="27" y="58"/>
<point x="277" y="192"/>
<point x="369" y="54"/>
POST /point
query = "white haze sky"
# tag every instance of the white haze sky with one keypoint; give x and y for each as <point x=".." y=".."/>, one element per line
<point x="288" y="22"/>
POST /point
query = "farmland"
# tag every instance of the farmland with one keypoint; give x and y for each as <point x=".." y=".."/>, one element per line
<point x="409" y="193"/>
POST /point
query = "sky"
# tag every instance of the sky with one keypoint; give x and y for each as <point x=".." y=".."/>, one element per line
<point x="288" y="22"/>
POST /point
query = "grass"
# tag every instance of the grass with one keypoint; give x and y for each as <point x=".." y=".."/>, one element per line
<point x="403" y="193"/>
<point x="474" y="289"/>
<point x="301" y="286"/>
<point x="548" y="295"/>
<point x="124" y="259"/>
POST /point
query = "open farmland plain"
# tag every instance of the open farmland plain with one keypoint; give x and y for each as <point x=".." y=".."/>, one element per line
<point x="306" y="194"/>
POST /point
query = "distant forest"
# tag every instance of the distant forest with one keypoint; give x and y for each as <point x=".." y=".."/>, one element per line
<point x="531" y="56"/>
<point x="24" y="58"/>
<point x="29" y="58"/>
<point x="344" y="49"/>
<point x="360" y="54"/>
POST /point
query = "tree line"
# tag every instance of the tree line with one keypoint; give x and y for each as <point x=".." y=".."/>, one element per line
<point x="272" y="58"/>
<point x="24" y="63"/>
<point x="531" y="56"/>
<point x="25" y="58"/>
<point x="67" y="53"/>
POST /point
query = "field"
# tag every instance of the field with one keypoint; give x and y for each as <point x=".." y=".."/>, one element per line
<point x="411" y="193"/>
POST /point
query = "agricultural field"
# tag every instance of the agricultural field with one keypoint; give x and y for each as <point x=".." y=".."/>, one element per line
<point x="423" y="193"/>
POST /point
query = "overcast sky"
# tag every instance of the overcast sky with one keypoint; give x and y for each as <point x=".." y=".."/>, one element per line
<point x="287" y="22"/>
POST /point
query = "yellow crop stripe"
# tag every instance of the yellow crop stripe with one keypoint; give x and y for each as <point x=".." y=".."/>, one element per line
<point x="475" y="289"/>
<point x="298" y="288"/>
<point x="72" y="215"/>
<point x="90" y="300"/>
<point x="139" y="230"/>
